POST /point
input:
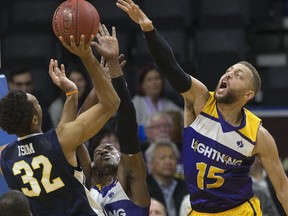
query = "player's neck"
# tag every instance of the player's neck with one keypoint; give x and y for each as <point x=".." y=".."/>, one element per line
<point x="105" y="180"/>
<point x="231" y="113"/>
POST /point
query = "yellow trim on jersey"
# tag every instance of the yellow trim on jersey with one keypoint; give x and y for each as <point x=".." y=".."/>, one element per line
<point x="210" y="107"/>
<point x="249" y="208"/>
<point x="252" y="125"/>
<point x="252" y="121"/>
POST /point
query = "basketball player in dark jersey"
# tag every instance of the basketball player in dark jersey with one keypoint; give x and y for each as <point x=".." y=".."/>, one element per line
<point x="220" y="138"/>
<point x="44" y="166"/>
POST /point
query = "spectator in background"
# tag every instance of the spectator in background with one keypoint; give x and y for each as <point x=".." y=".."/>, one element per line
<point x="21" y="78"/>
<point x="14" y="203"/>
<point x="261" y="189"/>
<point x="157" y="208"/>
<point x="162" y="159"/>
<point x="150" y="97"/>
<point x="159" y="126"/>
<point x="76" y="75"/>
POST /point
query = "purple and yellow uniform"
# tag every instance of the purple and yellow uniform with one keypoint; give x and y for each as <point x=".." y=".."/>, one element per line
<point x="217" y="157"/>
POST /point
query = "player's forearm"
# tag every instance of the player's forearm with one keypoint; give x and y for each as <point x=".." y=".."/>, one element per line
<point x="115" y="69"/>
<point x="166" y="62"/>
<point x="283" y="198"/>
<point x="85" y="161"/>
<point x="126" y="119"/>
<point x="90" y="101"/>
<point x="70" y="109"/>
<point x="103" y="87"/>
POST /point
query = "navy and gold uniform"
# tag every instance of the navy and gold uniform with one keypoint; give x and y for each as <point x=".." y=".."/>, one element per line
<point x="36" y="165"/>
<point x="115" y="201"/>
<point x="217" y="157"/>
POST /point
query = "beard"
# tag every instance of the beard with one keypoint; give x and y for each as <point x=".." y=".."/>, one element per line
<point x="229" y="98"/>
<point x="106" y="170"/>
<point x="107" y="167"/>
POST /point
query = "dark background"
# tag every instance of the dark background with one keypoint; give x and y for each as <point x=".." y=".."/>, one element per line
<point x="207" y="37"/>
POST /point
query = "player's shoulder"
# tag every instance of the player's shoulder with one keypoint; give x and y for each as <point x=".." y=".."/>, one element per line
<point x="265" y="141"/>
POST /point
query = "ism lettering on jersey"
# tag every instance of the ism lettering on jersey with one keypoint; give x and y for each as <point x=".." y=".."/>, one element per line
<point x="25" y="149"/>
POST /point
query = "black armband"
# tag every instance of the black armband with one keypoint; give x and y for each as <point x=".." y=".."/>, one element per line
<point x="126" y="126"/>
<point x="166" y="61"/>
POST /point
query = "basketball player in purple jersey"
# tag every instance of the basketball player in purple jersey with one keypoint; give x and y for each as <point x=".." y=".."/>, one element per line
<point x="221" y="138"/>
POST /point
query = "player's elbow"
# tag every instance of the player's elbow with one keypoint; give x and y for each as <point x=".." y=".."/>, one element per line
<point x="115" y="104"/>
<point x="112" y="104"/>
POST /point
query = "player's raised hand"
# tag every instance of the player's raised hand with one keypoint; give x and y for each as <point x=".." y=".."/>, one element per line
<point x="135" y="13"/>
<point x="107" y="45"/>
<point x="59" y="78"/>
<point x="82" y="49"/>
<point x="105" y="68"/>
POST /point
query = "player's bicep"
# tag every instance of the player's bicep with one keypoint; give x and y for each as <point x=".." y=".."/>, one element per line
<point x="266" y="150"/>
<point x="132" y="176"/>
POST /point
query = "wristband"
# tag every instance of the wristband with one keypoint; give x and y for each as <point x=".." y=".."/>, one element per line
<point x="72" y="93"/>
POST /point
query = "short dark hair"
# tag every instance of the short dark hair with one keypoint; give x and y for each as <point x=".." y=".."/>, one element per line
<point x="256" y="83"/>
<point x="14" y="203"/>
<point x="16" y="113"/>
<point x="95" y="141"/>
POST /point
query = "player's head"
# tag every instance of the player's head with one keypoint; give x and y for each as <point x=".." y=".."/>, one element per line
<point x="21" y="78"/>
<point x="105" y="135"/>
<point x="106" y="160"/>
<point x="14" y="203"/>
<point x="20" y="113"/>
<point x="241" y="82"/>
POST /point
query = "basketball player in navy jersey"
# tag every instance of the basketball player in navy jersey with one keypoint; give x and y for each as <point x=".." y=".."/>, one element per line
<point x="44" y="166"/>
<point x="221" y="138"/>
<point x="119" y="179"/>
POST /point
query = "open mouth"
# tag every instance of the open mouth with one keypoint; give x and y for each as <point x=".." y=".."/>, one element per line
<point x="223" y="85"/>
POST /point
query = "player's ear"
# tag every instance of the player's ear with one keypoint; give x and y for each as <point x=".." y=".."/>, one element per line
<point x="249" y="95"/>
<point x="35" y="120"/>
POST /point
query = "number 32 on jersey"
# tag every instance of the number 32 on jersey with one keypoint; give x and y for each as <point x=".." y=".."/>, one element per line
<point x="27" y="177"/>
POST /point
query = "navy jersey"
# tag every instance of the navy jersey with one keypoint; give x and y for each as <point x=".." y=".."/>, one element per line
<point x="37" y="166"/>
<point x="115" y="201"/>
<point x="217" y="157"/>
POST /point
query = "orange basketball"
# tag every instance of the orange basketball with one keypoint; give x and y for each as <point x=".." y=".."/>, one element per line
<point x="75" y="17"/>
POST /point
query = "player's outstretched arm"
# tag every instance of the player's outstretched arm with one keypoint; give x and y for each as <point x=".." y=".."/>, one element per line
<point x="132" y="169"/>
<point x="59" y="78"/>
<point x="195" y="93"/>
<point x="266" y="150"/>
<point x="90" y="122"/>
<point x="160" y="50"/>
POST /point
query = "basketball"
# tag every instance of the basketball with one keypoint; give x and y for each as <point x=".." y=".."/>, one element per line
<point x="75" y="17"/>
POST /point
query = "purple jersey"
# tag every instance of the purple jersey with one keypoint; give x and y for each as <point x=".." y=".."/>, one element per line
<point x="115" y="201"/>
<point x="217" y="157"/>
